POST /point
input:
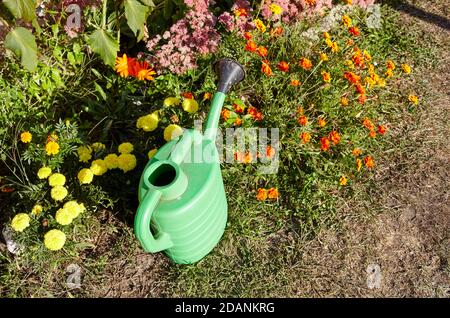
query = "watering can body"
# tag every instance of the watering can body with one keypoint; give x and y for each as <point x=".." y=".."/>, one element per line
<point x="184" y="198"/>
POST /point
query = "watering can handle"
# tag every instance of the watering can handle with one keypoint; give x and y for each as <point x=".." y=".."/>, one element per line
<point x="150" y="243"/>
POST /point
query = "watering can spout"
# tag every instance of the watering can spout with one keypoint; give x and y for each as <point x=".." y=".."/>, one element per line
<point x="230" y="73"/>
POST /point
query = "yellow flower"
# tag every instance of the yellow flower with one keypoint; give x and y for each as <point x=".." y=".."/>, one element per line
<point x="328" y="42"/>
<point x="389" y="73"/>
<point x="152" y="153"/>
<point x="172" y="131"/>
<point x="57" y="179"/>
<point x="190" y="105"/>
<point x="326" y="35"/>
<point x="260" y="25"/>
<point x="26" y="137"/>
<point x="349" y="64"/>
<point x="347" y="21"/>
<point x="413" y="99"/>
<point x="122" y="66"/>
<point x="349" y="2"/>
<point x="63" y="216"/>
<point x="390" y="65"/>
<point x="54" y="240"/>
<point x="367" y="56"/>
<point x="44" y="172"/>
<point x="326" y="76"/>
<point x="85" y="176"/>
<point x="276" y="9"/>
<point x="334" y="47"/>
<point x="51" y="148"/>
<point x="344" y="101"/>
<point x="74" y="208"/>
<point x="148" y="122"/>
<point x="58" y="193"/>
<point x="37" y="209"/>
<point x="127" y="162"/>
<point x="20" y="222"/>
<point x="171" y="101"/>
<point x="406" y="68"/>
<point x="343" y="181"/>
<point x="97" y="146"/>
<point x="126" y="147"/>
<point x="84" y="153"/>
<point x="98" y="167"/>
<point x="323" y="57"/>
<point x="111" y="161"/>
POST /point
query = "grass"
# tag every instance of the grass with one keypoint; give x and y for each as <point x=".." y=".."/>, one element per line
<point x="267" y="250"/>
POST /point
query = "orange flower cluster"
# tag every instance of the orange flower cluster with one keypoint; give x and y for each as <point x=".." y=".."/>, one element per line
<point x="263" y="194"/>
<point x="126" y="66"/>
<point x="305" y="63"/>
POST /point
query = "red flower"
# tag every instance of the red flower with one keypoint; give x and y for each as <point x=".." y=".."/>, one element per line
<point x="187" y="95"/>
<point x="251" y="46"/>
<point x="335" y="137"/>
<point x="238" y="109"/>
<point x="248" y="36"/>
<point x="354" y="31"/>
<point x="265" y="68"/>
<point x="283" y="66"/>
<point x="325" y="143"/>
<point x="352" y="77"/>
<point x="303" y="120"/>
<point x="381" y="129"/>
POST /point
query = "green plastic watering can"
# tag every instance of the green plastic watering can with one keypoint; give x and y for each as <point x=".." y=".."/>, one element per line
<point x="183" y="208"/>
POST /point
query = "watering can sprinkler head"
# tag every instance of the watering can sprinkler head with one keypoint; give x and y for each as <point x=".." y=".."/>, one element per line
<point x="230" y="72"/>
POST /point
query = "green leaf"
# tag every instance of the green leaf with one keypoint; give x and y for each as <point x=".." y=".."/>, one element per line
<point x="21" y="41"/>
<point x="148" y="3"/>
<point x="22" y="9"/>
<point x="100" y="90"/>
<point x="136" y="13"/>
<point x="104" y="45"/>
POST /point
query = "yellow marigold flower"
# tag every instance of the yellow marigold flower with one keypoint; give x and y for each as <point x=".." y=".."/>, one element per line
<point x="323" y="57"/>
<point x="406" y="68"/>
<point x="98" y="167"/>
<point x="390" y="65"/>
<point x="344" y="101"/>
<point x="127" y="162"/>
<point x="358" y="164"/>
<point x="326" y="35"/>
<point x="260" y="25"/>
<point x="413" y="99"/>
<point x="44" y="173"/>
<point x="112" y="161"/>
<point x="126" y="147"/>
<point x="63" y="216"/>
<point x="37" y="209"/>
<point x="85" y="176"/>
<point x="74" y="209"/>
<point x="367" y="56"/>
<point x="276" y="9"/>
<point x="20" y="222"/>
<point x="349" y="64"/>
<point x="152" y="153"/>
<point x="343" y="181"/>
<point x="56" y="179"/>
<point x="172" y="131"/>
<point x="172" y="101"/>
<point x="51" y="148"/>
<point x="347" y="21"/>
<point x="207" y="96"/>
<point x="84" y="153"/>
<point x="349" y="2"/>
<point x="334" y="47"/>
<point x="54" y="240"/>
<point x="58" y="193"/>
<point x="97" y="146"/>
<point x="389" y="73"/>
<point x="190" y="105"/>
<point x="381" y="82"/>
<point x="148" y="122"/>
<point x="26" y="137"/>
<point x="371" y="69"/>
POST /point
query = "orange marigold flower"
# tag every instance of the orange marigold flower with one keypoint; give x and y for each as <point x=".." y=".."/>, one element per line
<point x="349" y="2"/>
<point x="270" y="152"/>
<point x="321" y="122"/>
<point x="326" y="76"/>
<point x="326" y="35"/>
<point x="372" y="134"/>
<point x="350" y="42"/>
<point x="368" y="124"/>
<point x="187" y="95"/>
<point x="360" y="89"/>
<point x="273" y="193"/>
<point x="344" y="101"/>
<point x="262" y="51"/>
<point x="251" y="46"/>
<point x="325" y="143"/>
<point x="252" y="111"/>
<point x="305" y="63"/>
<point x="240" y="12"/>
<point x="238" y="108"/>
<point x="334" y="137"/>
<point x="122" y="67"/>
<point x="354" y="31"/>
<point x="248" y="36"/>
<point x="300" y="110"/>
<point x="303" y="120"/>
<point x="362" y="98"/>
<point x="283" y="66"/>
<point x="237" y="121"/>
<point x="368" y="161"/>
<point x="342" y="180"/>
<point x="258" y="117"/>
<point x="225" y="114"/>
<point x="358" y="59"/>
<point x="382" y="129"/>
<point x="247" y="158"/>
<point x="261" y="195"/>
<point x="276" y="31"/>
<point x="390" y="65"/>
<point x="305" y="137"/>
<point x="143" y="72"/>
<point x="265" y="68"/>
<point x="295" y="82"/>
<point x="352" y="77"/>
<point x="356" y="152"/>
<point x="358" y="164"/>
<point x="310" y="3"/>
<point x="207" y="96"/>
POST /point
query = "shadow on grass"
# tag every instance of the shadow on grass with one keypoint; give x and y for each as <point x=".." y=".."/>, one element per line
<point x="419" y="13"/>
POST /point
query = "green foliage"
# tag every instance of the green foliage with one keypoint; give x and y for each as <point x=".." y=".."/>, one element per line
<point x="22" y="42"/>
<point x="22" y="9"/>
<point x="136" y="15"/>
<point x="103" y="44"/>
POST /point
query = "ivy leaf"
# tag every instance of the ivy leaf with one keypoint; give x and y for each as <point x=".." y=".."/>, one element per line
<point x="104" y="45"/>
<point x="22" y="9"/>
<point x="21" y="41"/>
<point x="136" y="14"/>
